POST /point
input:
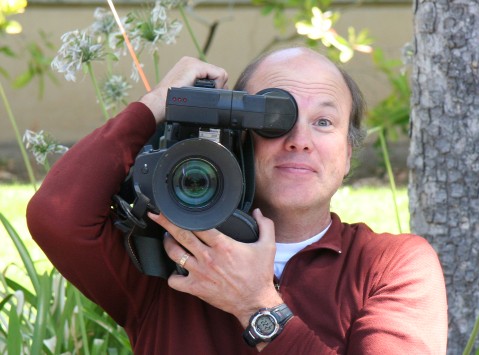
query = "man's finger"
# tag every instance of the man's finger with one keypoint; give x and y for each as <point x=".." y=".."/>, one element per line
<point x="186" y="238"/>
<point x="266" y="227"/>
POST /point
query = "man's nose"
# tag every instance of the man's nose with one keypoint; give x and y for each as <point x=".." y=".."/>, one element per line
<point x="299" y="138"/>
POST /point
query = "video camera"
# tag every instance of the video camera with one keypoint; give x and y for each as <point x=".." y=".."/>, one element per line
<point x="200" y="173"/>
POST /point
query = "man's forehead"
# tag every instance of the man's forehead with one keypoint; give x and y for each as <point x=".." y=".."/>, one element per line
<point x="295" y="54"/>
<point x="292" y="62"/>
<point x="298" y="67"/>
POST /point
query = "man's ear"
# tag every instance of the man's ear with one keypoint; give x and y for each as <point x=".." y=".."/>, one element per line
<point x="348" y="160"/>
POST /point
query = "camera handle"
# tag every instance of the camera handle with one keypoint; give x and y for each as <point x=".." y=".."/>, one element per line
<point x="143" y="239"/>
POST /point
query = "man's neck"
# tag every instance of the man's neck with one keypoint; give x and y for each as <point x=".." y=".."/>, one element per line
<point x="296" y="226"/>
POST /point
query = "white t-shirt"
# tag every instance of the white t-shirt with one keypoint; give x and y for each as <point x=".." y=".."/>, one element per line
<point x="285" y="251"/>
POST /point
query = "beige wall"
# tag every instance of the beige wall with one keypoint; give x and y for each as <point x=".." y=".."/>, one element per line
<point x="69" y="110"/>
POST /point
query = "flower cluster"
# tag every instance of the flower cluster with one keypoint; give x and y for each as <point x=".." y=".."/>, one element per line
<point x="148" y="30"/>
<point x="42" y="145"/>
<point x="103" y="40"/>
<point x="115" y="90"/>
<point x="78" y="48"/>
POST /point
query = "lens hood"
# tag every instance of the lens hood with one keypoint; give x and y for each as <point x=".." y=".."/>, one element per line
<point x="228" y="188"/>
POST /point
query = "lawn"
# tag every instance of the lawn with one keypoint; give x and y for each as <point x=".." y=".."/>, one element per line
<point x="373" y="205"/>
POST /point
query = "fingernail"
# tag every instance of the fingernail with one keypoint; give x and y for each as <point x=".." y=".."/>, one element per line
<point x="153" y="216"/>
<point x="257" y="211"/>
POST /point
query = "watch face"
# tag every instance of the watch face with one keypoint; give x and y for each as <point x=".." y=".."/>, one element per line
<point x="266" y="325"/>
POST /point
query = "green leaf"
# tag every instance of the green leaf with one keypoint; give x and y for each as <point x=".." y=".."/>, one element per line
<point x="23" y="79"/>
<point x="108" y="325"/>
<point x="66" y="316"/>
<point x="4" y="73"/>
<point x="23" y="252"/>
<point x="267" y="10"/>
<point x="81" y="322"/>
<point x="2" y="305"/>
<point x="98" y="346"/>
<point x="14" y="339"/>
<point x="7" y="51"/>
<point x="30" y="298"/>
<point x="43" y="303"/>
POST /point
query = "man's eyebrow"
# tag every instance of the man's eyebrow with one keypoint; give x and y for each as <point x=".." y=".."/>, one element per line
<point x="328" y="103"/>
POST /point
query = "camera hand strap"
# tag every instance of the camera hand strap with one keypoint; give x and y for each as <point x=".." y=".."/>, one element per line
<point x="143" y="240"/>
<point x="248" y="172"/>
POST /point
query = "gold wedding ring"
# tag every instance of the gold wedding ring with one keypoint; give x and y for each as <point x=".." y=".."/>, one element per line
<point x="183" y="259"/>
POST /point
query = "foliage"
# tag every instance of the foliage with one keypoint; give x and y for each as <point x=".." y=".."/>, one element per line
<point x="50" y="316"/>
<point x="392" y="113"/>
<point x="104" y="40"/>
<point x="390" y="118"/>
<point x="313" y="21"/>
<point x="38" y="61"/>
<point x="38" y="66"/>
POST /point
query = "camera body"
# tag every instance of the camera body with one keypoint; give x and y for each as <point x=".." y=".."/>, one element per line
<point x="200" y="174"/>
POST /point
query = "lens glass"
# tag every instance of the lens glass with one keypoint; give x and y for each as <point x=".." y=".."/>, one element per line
<point x="195" y="183"/>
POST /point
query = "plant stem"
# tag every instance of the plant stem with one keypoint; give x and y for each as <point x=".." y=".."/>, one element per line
<point x="472" y="338"/>
<point x="18" y="137"/>
<point x="392" y="183"/>
<point x="46" y="165"/>
<point x="201" y="54"/>
<point x="97" y="90"/>
<point x="156" y="61"/>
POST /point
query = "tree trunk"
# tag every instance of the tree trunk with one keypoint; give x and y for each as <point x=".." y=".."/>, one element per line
<point x="444" y="152"/>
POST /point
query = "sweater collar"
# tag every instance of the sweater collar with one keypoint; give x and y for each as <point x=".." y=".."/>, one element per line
<point x="332" y="239"/>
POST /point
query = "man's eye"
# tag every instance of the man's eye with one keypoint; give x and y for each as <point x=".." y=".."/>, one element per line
<point x="323" y="122"/>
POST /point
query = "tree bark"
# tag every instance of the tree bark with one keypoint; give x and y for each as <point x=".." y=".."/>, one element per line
<point x="444" y="151"/>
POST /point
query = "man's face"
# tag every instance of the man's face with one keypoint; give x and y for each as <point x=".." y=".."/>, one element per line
<point x="304" y="168"/>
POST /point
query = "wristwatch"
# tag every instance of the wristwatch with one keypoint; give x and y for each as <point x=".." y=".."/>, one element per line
<point x="266" y="324"/>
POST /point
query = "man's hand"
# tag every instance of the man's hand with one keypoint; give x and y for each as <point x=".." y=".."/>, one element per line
<point x="184" y="73"/>
<point x="233" y="276"/>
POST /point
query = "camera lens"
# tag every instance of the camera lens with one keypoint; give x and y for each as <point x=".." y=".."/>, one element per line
<point x="195" y="183"/>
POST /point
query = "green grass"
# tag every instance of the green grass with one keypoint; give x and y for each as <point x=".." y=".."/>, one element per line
<point x="13" y="202"/>
<point x="372" y="205"/>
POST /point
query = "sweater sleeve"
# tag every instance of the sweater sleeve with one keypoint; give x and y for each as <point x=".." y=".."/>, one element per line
<point x="69" y="217"/>
<point x="404" y="310"/>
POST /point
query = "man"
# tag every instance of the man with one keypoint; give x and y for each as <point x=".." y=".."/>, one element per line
<point x="334" y="288"/>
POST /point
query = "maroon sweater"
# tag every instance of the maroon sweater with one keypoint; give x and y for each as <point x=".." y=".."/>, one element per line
<point x="353" y="292"/>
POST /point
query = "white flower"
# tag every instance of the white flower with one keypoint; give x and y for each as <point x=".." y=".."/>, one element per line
<point x="150" y="30"/>
<point x="135" y="75"/>
<point x="320" y="25"/>
<point x="171" y="4"/>
<point x="104" y="23"/>
<point x="78" y="47"/>
<point x="115" y="90"/>
<point x="41" y="145"/>
<point x="158" y="14"/>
